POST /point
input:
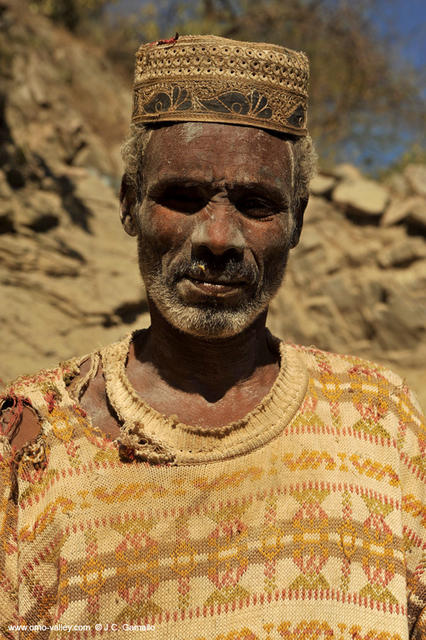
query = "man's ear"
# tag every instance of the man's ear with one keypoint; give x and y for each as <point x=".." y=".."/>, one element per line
<point x="128" y="201"/>
<point x="298" y="219"/>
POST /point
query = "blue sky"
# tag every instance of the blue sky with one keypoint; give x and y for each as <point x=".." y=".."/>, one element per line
<point x="409" y="19"/>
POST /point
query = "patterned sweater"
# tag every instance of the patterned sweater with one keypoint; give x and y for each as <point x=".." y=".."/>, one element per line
<point x="305" y="520"/>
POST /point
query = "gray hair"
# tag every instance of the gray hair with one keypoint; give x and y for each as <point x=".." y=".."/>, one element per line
<point x="302" y="153"/>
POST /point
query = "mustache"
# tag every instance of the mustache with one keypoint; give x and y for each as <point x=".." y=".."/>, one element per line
<point x="215" y="267"/>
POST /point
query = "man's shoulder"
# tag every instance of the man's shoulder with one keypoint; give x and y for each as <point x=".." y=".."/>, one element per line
<point x="343" y="377"/>
<point x="65" y="373"/>
<point x="28" y="399"/>
<point x="42" y="383"/>
<point x="328" y="363"/>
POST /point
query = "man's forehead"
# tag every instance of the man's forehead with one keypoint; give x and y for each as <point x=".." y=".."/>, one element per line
<point x="190" y="132"/>
<point x="212" y="151"/>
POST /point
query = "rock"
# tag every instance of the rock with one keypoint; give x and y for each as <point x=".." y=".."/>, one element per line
<point x="58" y="266"/>
<point x="361" y="196"/>
<point x="342" y="290"/>
<point x="362" y="252"/>
<point x="318" y="209"/>
<point x="37" y="85"/>
<point x="417" y="217"/>
<point x="15" y="178"/>
<point x="402" y="254"/>
<point x="401" y="210"/>
<point x="416" y="177"/>
<point x="411" y="315"/>
<point x="40" y="211"/>
<point x="312" y="238"/>
<point x="5" y="190"/>
<point x="397" y="185"/>
<point x="346" y="171"/>
<point x="6" y="221"/>
<point x="322" y="185"/>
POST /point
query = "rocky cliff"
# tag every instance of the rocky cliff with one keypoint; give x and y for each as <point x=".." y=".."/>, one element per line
<point x="357" y="281"/>
<point x="68" y="274"/>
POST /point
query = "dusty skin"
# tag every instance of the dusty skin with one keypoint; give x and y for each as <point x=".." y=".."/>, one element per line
<point x="218" y="196"/>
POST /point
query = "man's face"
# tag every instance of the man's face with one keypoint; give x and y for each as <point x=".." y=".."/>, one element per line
<point x="215" y="224"/>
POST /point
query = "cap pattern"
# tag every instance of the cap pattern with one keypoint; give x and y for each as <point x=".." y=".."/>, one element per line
<point x="212" y="79"/>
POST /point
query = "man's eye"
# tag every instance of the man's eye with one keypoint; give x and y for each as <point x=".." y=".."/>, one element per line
<point x="183" y="200"/>
<point x="256" y="207"/>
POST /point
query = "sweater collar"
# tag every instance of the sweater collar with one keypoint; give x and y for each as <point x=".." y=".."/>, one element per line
<point x="149" y="436"/>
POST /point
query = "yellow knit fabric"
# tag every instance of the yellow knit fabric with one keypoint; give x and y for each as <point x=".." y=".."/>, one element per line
<point x="303" y="521"/>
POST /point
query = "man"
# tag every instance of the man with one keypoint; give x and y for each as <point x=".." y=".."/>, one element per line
<point x="201" y="477"/>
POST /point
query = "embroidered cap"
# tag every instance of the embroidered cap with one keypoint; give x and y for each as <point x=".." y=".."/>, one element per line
<point x="213" y="79"/>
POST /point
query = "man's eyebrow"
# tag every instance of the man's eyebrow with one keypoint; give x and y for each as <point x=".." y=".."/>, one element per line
<point x="177" y="181"/>
<point x="249" y="185"/>
<point x="267" y="190"/>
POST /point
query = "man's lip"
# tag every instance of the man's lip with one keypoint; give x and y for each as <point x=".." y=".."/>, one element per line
<point x="217" y="289"/>
<point x="216" y="281"/>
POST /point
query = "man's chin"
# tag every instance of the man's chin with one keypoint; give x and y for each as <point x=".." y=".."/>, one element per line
<point x="208" y="322"/>
<point x="209" y="317"/>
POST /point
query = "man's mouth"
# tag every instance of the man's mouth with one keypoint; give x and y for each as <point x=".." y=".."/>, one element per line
<point x="213" y="285"/>
<point x="216" y="286"/>
<point x="209" y="279"/>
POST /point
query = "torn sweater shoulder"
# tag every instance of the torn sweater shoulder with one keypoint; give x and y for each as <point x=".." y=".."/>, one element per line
<point x="27" y="402"/>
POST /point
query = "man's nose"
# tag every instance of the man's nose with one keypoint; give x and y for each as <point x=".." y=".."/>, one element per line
<point x="217" y="230"/>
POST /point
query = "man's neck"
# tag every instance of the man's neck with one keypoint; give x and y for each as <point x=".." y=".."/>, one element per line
<point x="205" y="367"/>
